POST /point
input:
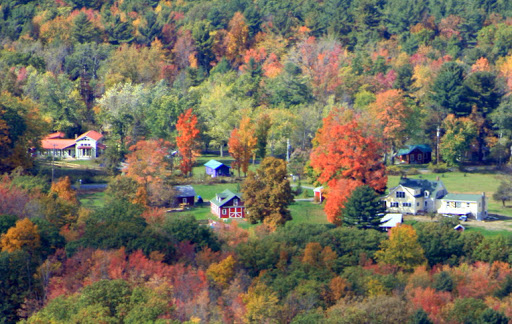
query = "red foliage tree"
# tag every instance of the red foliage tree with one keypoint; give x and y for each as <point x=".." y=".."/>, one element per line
<point x="187" y="140"/>
<point x="343" y="152"/>
<point x="431" y="301"/>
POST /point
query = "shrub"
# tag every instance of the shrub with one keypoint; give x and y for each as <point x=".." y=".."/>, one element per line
<point x="438" y="168"/>
<point x="394" y="170"/>
<point x="412" y="171"/>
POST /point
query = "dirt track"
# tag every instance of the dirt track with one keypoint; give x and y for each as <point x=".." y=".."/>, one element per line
<point x="502" y="223"/>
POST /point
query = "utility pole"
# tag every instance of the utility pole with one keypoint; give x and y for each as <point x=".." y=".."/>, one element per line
<point x="437" y="144"/>
<point x="53" y="162"/>
<point x="288" y="150"/>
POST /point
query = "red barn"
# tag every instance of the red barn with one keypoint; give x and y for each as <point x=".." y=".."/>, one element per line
<point x="228" y="205"/>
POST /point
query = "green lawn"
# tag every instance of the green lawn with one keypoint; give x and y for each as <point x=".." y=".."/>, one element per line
<point x="302" y="212"/>
<point x="92" y="200"/>
<point x="208" y="191"/>
<point x="198" y="170"/>
<point x="487" y="232"/>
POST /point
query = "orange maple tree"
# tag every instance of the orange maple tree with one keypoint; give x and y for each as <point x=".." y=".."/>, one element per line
<point x="187" y="140"/>
<point x="391" y="113"/>
<point x="147" y="161"/>
<point x="242" y="144"/>
<point x="64" y="191"/>
<point x="346" y="158"/>
<point x="236" y="38"/>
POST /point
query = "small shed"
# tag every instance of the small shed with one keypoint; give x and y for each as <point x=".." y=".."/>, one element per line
<point x="215" y="169"/>
<point x="228" y="204"/>
<point x="459" y="228"/>
<point x="415" y="154"/>
<point x="184" y="195"/>
<point x="319" y="194"/>
<point x="391" y="220"/>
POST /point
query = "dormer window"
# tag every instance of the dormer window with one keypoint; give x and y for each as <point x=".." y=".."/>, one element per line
<point x="426" y="194"/>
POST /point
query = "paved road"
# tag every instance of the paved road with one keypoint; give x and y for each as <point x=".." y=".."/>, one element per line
<point x="91" y="186"/>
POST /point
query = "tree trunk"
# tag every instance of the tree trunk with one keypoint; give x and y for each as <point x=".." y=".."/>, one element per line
<point x="221" y="150"/>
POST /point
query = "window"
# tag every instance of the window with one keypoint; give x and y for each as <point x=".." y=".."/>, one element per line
<point x="467" y="205"/>
<point x="393" y="204"/>
<point x="417" y="204"/>
<point x="184" y="200"/>
<point x="235" y="202"/>
<point x="400" y="194"/>
<point x="412" y="157"/>
<point x="223" y="211"/>
<point x="457" y="204"/>
<point x="406" y="205"/>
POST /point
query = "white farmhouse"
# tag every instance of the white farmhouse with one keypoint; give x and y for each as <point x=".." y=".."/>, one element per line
<point x="418" y="196"/>
<point x="86" y="146"/>
<point x="413" y="196"/>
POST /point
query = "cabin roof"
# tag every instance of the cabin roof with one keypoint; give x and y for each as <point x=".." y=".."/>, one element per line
<point x="214" y="164"/>
<point x="409" y="148"/>
<point x="185" y="191"/>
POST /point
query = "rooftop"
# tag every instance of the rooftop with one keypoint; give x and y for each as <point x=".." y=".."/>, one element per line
<point x="409" y="148"/>
<point x="462" y="197"/>
<point x="213" y="164"/>
<point x="223" y="197"/>
<point x="184" y="191"/>
<point x="92" y="134"/>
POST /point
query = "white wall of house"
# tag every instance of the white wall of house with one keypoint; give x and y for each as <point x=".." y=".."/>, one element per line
<point x="402" y="200"/>
<point x="463" y="207"/>
<point x="86" y="148"/>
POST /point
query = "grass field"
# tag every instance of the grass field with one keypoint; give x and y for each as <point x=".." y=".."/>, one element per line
<point x="92" y="200"/>
<point x="487" y="232"/>
<point x="304" y="212"/>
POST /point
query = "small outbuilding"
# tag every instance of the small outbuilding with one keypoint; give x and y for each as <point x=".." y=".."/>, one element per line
<point x="415" y="154"/>
<point x="228" y="204"/>
<point x="319" y="194"/>
<point x="472" y="205"/>
<point x="184" y="195"/>
<point x="391" y="220"/>
<point x="216" y="169"/>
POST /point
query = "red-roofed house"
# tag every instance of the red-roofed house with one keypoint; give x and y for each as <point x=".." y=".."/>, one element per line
<point x="85" y="146"/>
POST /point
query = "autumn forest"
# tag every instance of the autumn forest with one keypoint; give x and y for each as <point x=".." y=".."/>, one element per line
<point x="292" y="95"/>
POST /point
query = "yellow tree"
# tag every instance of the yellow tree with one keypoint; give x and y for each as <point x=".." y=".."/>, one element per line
<point x="242" y="144"/>
<point x="236" y="39"/>
<point x="401" y="249"/>
<point x="24" y="235"/>
<point x="222" y="272"/>
<point x="459" y="132"/>
<point x="261" y="304"/>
